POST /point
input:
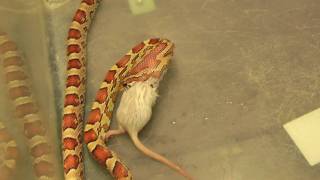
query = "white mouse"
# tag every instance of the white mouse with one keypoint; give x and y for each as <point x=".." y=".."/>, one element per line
<point x="134" y="113"/>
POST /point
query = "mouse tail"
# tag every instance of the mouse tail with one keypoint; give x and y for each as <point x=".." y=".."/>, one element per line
<point x="158" y="157"/>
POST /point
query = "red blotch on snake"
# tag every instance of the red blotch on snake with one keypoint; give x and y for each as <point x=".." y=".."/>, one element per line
<point x="70" y="143"/>
<point x="110" y="76"/>
<point x="90" y="136"/>
<point x="102" y="95"/>
<point x="89" y="2"/>
<point x="21" y="91"/>
<point x="74" y="34"/>
<point x="71" y="99"/>
<point x="5" y="172"/>
<point x="25" y="109"/>
<point x="70" y="121"/>
<point x="154" y="40"/>
<point x="15" y="75"/>
<point x="74" y="63"/>
<point x="73" y="48"/>
<point x="4" y="136"/>
<point x="80" y="16"/>
<point x="123" y="61"/>
<point x="8" y="46"/>
<point x="119" y="171"/>
<point x="101" y="154"/>
<point x="138" y="47"/>
<point x="94" y="116"/>
<point x="73" y="80"/>
<point x="40" y="149"/>
<point x="43" y="168"/>
<point x="12" y="61"/>
<point x="33" y="128"/>
<point x="70" y="162"/>
<point x="12" y="152"/>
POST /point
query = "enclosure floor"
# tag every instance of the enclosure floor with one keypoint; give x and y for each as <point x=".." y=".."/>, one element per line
<point x="241" y="69"/>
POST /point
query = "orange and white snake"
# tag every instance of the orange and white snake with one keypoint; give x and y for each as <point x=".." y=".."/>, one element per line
<point x="8" y="154"/>
<point x="26" y="109"/>
<point x="147" y="60"/>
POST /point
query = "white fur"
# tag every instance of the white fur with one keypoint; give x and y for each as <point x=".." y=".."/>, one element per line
<point x="134" y="113"/>
<point x="136" y="103"/>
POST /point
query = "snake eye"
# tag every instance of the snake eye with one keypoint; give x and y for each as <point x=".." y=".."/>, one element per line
<point x="127" y="86"/>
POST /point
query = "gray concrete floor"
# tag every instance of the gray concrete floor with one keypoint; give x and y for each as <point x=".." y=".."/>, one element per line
<point x="241" y="70"/>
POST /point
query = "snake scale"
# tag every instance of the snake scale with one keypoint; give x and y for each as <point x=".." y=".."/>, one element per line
<point x="26" y="109"/>
<point x="147" y="60"/>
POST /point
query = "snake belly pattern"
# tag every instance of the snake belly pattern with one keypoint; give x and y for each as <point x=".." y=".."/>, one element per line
<point x="8" y="154"/>
<point x="133" y="67"/>
<point x="26" y="109"/>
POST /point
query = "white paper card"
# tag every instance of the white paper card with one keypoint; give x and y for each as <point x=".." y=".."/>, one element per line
<point x="305" y="132"/>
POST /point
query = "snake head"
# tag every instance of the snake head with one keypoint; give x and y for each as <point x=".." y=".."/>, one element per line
<point x="151" y="60"/>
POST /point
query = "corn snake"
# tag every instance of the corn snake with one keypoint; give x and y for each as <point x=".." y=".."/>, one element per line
<point x="8" y="154"/>
<point x="26" y="109"/>
<point x="146" y="60"/>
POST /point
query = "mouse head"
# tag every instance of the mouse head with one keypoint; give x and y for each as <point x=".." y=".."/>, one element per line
<point x="152" y="59"/>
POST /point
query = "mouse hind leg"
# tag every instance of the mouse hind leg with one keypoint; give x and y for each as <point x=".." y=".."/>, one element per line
<point x="112" y="133"/>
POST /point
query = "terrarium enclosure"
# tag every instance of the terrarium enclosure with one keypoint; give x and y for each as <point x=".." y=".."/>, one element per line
<point x="240" y="71"/>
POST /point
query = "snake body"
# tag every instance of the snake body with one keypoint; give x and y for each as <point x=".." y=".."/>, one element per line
<point x="26" y="109"/>
<point x="145" y="60"/>
<point x="8" y="154"/>
<point x="75" y="90"/>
